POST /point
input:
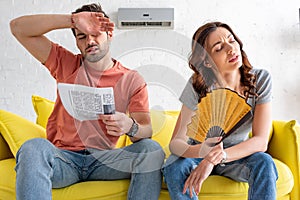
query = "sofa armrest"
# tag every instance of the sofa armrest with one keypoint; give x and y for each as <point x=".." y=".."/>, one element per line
<point x="285" y="146"/>
<point x="16" y="130"/>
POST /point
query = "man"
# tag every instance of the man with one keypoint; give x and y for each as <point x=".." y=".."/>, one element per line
<point x="85" y="150"/>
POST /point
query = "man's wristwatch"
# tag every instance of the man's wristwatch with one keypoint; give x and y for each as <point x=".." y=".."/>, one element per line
<point x="134" y="129"/>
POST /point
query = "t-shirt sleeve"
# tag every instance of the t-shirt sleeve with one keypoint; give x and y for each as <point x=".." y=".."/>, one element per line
<point x="138" y="101"/>
<point x="61" y="62"/>
<point x="263" y="86"/>
<point x="189" y="97"/>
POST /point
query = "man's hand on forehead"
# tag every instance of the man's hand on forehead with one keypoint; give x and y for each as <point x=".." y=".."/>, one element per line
<point x="91" y="22"/>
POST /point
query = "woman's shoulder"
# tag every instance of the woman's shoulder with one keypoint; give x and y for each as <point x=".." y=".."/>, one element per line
<point x="260" y="72"/>
<point x="263" y="81"/>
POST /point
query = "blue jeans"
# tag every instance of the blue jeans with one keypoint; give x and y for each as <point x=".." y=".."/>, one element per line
<point x="257" y="169"/>
<point x="42" y="166"/>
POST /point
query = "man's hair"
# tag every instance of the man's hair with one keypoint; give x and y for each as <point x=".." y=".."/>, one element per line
<point x="89" y="8"/>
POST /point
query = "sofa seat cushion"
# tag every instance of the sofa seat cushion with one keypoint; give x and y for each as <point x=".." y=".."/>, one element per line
<point x="216" y="186"/>
<point x="79" y="191"/>
<point x="8" y="179"/>
<point x="93" y="190"/>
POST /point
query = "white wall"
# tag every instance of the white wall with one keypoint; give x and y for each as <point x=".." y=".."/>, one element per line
<point x="269" y="29"/>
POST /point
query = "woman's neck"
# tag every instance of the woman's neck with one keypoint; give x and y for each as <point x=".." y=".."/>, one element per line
<point x="233" y="81"/>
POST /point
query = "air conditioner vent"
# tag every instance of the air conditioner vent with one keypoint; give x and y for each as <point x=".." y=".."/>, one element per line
<point x="144" y="24"/>
<point x="145" y="18"/>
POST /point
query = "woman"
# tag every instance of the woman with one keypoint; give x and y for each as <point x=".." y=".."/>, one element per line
<point x="218" y="61"/>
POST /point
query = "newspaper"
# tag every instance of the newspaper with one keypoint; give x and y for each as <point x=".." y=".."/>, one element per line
<point x="86" y="103"/>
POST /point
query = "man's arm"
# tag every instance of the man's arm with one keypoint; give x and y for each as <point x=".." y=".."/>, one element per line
<point x="30" y="30"/>
<point x="145" y="129"/>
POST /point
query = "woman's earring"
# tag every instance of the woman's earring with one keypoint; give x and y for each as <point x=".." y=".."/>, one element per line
<point x="207" y="64"/>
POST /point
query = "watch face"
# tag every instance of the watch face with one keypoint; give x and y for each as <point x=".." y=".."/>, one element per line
<point x="133" y="130"/>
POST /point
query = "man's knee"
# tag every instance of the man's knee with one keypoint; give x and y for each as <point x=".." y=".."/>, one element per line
<point x="145" y="146"/>
<point x="34" y="147"/>
<point x="34" y="144"/>
<point x="150" y="145"/>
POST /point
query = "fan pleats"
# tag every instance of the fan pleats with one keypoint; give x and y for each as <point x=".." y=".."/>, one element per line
<point x="218" y="112"/>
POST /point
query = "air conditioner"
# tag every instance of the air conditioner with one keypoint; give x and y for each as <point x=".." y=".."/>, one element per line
<point x="129" y="18"/>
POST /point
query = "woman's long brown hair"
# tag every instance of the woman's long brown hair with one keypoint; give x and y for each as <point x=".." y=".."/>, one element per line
<point x="204" y="77"/>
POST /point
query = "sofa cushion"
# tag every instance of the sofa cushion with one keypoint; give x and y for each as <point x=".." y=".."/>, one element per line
<point x="285" y="146"/>
<point x="163" y="124"/>
<point x="93" y="190"/>
<point x="8" y="178"/>
<point x="43" y="108"/>
<point x="16" y="130"/>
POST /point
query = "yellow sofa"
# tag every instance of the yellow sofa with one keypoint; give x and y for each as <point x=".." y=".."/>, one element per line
<point x="283" y="146"/>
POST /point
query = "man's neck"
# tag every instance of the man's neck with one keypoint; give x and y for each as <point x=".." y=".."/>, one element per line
<point x="104" y="64"/>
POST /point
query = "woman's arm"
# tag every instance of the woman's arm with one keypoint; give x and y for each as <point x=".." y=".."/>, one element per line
<point x="262" y="121"/>
<point x="178" y="144"/>
<point x="179" y="147"/>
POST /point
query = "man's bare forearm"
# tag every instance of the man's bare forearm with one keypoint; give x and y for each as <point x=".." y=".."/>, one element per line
<point x="29" y="30"/>
<point x="37" y="25"/>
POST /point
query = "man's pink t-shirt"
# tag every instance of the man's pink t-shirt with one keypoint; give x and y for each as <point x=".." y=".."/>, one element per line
<point x="130" y="94"/>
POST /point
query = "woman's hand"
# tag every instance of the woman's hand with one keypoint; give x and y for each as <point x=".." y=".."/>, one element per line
<point x="197" y="177"/>
<point x="91" y="22"/>
<point x="117" y="124"/>
<point x="216" y="154"/>
<point x="204" y="169"/>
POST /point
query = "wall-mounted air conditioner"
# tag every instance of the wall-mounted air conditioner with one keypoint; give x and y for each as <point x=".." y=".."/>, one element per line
<point x="129" y="18"/>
